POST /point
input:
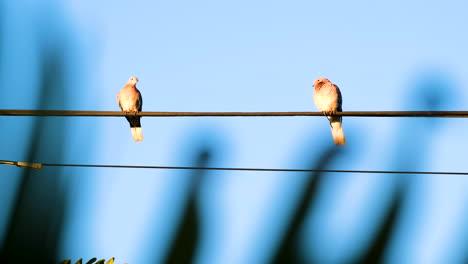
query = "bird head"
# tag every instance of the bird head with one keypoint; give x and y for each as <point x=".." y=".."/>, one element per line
<point x="320" y="81"/>
<point x="132" y="80"/>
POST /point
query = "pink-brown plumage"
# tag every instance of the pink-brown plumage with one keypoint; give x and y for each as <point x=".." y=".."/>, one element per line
<point x="327" y="98"/>
<point x="130" y="101"/>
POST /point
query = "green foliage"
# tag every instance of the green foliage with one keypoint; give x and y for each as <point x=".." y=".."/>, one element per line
<point x="91" y="261"/>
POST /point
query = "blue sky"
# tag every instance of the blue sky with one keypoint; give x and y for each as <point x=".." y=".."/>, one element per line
<point x="250" y="56"/>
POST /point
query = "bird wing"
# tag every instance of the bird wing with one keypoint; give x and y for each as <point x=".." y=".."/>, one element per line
<point x="340" y="98"/>
<point x="139" y="102"/>
<point x="118" y="100"/>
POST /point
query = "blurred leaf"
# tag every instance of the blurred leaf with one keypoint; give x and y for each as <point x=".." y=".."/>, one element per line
<point x="33" y="231"/>
<point x="187" y="236"/>
<point x="79" y="261"/>
<point x="2" y="32"/>
<point x="382" y="239"/>
<point x="288" y="251"/>
<point x="430" y="92"/>
<point x="91" y="261"/>
<point x="67" y="261"/>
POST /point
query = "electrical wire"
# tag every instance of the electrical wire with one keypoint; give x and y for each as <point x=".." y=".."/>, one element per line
<point x="13" y="112"/>
<point x="40" y="165"/>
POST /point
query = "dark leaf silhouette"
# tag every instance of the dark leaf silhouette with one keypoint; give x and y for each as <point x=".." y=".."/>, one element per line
<point x="381" y="241"/>
<point x="431" y="93"/>
<point x="33" y="232"/>
<point x="288" y="250"/>
<point x="2" y="34"/>
<point x="91" y="261"/>
<point x="187" y="236"/>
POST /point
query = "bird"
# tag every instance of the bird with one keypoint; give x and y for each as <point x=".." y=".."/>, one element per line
<point x="131" y="102"/>
<point x="327" y="98"/>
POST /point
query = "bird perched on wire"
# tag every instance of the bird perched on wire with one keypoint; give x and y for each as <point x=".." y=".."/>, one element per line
<point x="130" y="101"/>
<point x="327" y="98"/>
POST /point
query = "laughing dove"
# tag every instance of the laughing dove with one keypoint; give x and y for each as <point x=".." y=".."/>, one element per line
<point x="130" y="101"/>
<point x="327" y="98"/>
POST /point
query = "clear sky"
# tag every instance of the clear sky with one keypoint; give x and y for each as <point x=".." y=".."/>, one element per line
<point x="251" y="56"/>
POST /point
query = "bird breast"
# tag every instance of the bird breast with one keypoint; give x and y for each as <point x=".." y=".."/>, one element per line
<point x="326" y="98"/>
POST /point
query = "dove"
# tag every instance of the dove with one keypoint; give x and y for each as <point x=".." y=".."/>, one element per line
<point x="130" y="101"/>
<point x="327" y="98"/>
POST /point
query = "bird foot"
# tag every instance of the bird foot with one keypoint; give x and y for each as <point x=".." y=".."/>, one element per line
<point x="329" y="113"/>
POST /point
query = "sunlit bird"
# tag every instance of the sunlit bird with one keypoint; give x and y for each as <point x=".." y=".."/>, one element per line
<point x="327" y="98"/>
<point x="130" y="101"/>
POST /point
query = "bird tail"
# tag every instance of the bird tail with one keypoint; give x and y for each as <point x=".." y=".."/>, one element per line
<point x="337" y="133"/>
<point x="137" y="133"/>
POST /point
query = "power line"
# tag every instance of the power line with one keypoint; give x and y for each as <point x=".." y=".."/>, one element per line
<point x="40" y="165"/>
<point x="14" y="112"/>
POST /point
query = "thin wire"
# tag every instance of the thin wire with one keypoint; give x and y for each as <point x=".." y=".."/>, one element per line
<point x="40" y="165"/>
<point x="252" y="169"/>
<point x="13" y="112"/>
